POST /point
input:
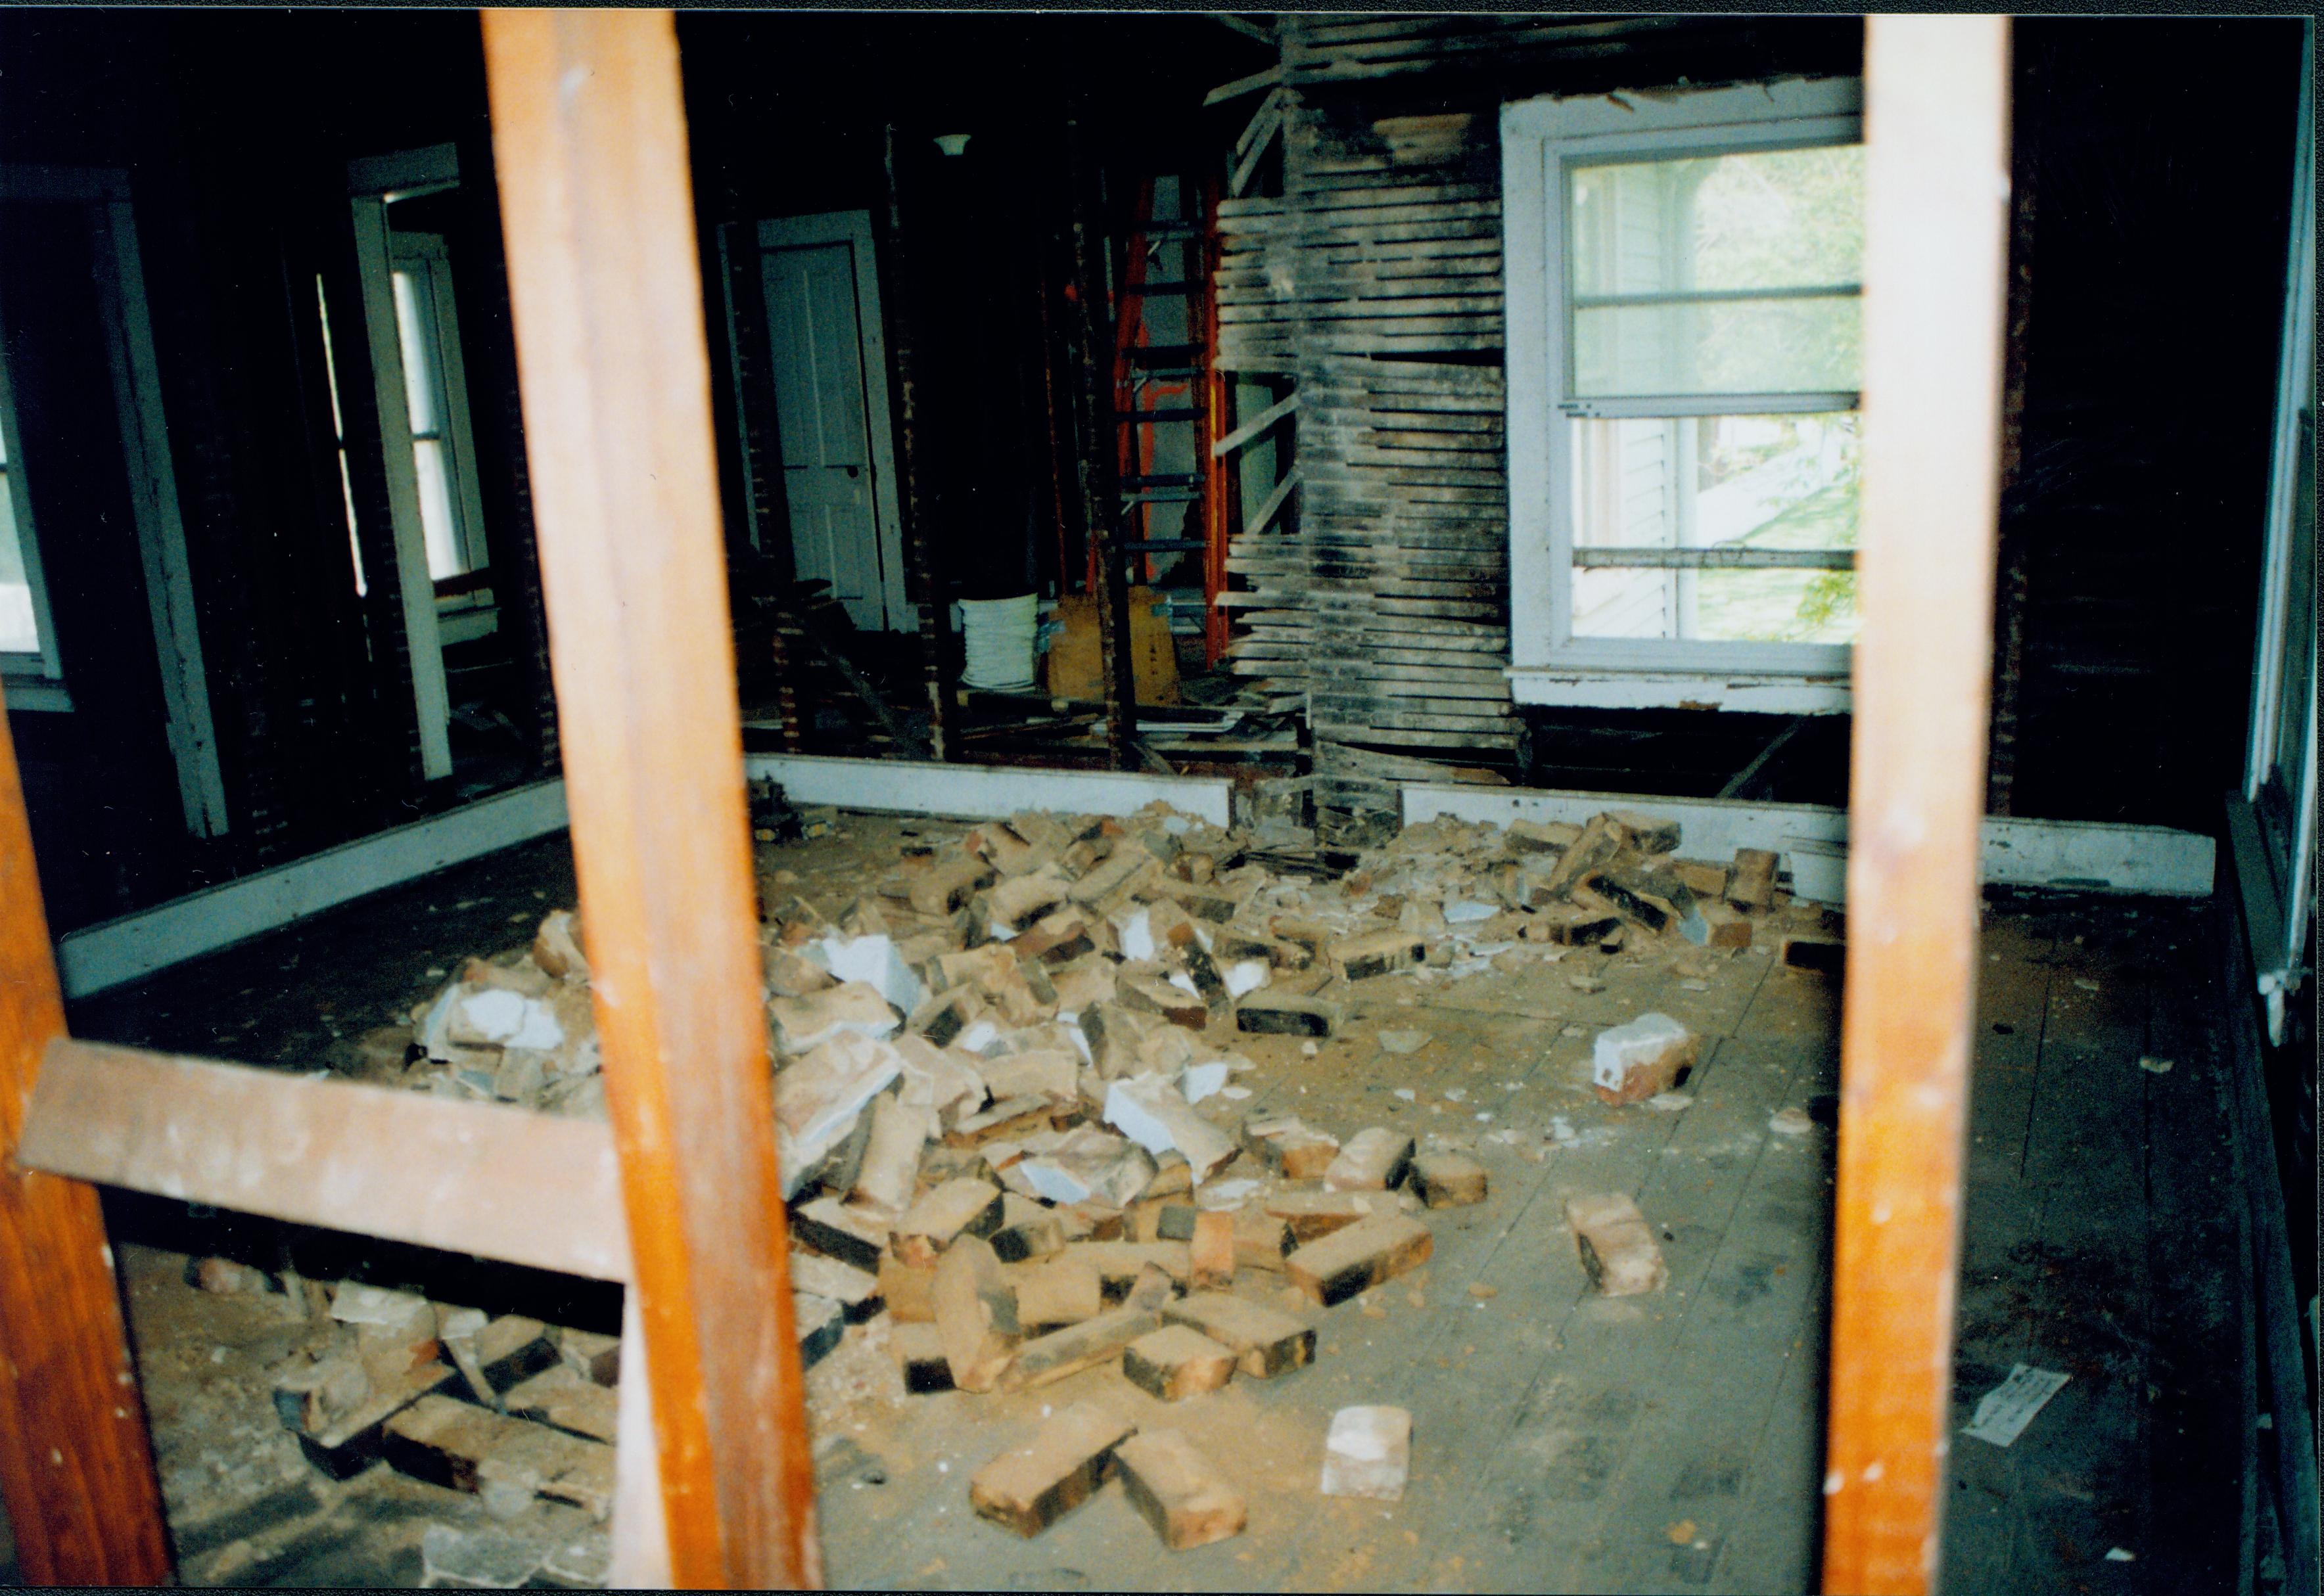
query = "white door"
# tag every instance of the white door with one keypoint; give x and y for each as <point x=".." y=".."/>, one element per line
<point x="813" y="322"/>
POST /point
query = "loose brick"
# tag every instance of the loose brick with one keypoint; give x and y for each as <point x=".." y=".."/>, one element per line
<point x="1356" y="959"/>
<point x="1017" y="904"/>
<point x="1646" y="833"/>
<point x="1119" y="1264"/>
<point x="856" y="1290"/>
<point x="909" y="1290"/>
<point x="1597" y="845"/>
<point x="1360" y="1257"/>
<point x="1720" y="926"/>
<point x="1448" y="1179"/>
<point x="889" y="1172"/>
<point x="1260" y="1241"/>
<point x="820" y="1324"/>
<point x="958" y="1207"/>
<point x="920" y="1355"/>
<point x="1314" y="1215"/>
<point x="804" y="1023"/>
<point x="1176" y="1362"/>
<point x="1265" y="1342"/>
<point x="1211" y="1250"/>
<point x="1077" y="1347"/>
<point x="976" y="1314"/>
<point x="1028" y="1230"/>
<point x="443" y="1441"/>
<point x="1029" y="1487"/>
<point x="1751" y="883"/>
<point x="562" y="1397"/>
<point x="1650" y="1055"/>
<point x="511" y="1348"/>
<point x="1617" y="1245"/>
<point x="1373" y="1159"/>
<point x="1055" y="1292"/>
<point x="1180" y="1493"/>
<point x="948" y="885"/>
<point x="832" y="1228"/>
<point x="1270" y="1012"/>
<point x="942" y="1018"/>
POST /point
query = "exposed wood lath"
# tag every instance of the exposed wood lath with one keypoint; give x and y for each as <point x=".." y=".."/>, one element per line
<point x="1377" y="571"/>
<point x="1373" y="282"/>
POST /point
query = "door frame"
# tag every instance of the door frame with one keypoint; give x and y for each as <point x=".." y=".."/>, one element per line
<point x="853" y="228"/>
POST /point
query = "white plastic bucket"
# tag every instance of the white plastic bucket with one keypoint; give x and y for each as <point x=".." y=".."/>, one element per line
<point x="997" y="637"/>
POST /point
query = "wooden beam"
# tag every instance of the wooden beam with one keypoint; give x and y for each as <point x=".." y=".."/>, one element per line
<point x="1937" y="199"/>
<point x="1099" y="441"/>
<point x="76" y="1465"/>
<point x="1266" y="78"/>
<point x="463" y="1176"/>
<point x="606" y="285"/>
<point x="1250" y="429"/>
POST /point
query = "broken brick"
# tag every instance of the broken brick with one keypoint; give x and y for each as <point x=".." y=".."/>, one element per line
<point x="1646" y="833"/>
<point x="1359" y="1257"/>
<point x="949" y="884"/>
<point x="1056" y="1291"/>
<point x="1026" y="1230"/>
<point x="1260" y="1241"/>
<point x="1617" y="1245"/>
<point x="851" y="1235"/>
<point x="909" y="1290"/>
<point x="1265" y="1342"/>
<point x="1176" y="1362"/>
<point x="1178" y="1490"/>
<point x="1721" y="926"/>
<point x="804" y="1023"/>
<point x="1312" y="1214"/>
<point x="856" y="1290"/>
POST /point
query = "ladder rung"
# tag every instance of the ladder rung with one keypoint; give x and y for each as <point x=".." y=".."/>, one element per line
<point x="1163" y="496"/>
<point x="1143" y="416"/>
<point x="1164" y="546"/>
<point x="1177" y="479"/>
<point x="1154" y="290"/>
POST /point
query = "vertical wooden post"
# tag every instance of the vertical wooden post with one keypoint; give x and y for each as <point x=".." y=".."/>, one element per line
<point x="921" y="559"/>
<point x="1098" y="449"/>
<point x="1937" y="209"/>
<point x="76" y="1466"/>
<point x="606" y="289"/>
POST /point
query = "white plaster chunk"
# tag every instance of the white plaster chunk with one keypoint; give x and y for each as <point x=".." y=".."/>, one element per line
<point x="874" y="961"/>
<point x="818" y="1099"/>
<point x="1643" y="1043"/>
<point x="1247" y="975"/>
<point x="1367" y="1454"/>
<point x="1149" y="1111"/>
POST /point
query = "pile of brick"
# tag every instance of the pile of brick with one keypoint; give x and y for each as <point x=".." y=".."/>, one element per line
<point x="1004" y="1091"/>
<point x="508" y="1406"/>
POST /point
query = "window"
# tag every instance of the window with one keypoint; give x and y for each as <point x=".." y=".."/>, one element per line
<point x="435" y="390"/>
<point x="27" y="648"/>
<point x="1684" y="357"/>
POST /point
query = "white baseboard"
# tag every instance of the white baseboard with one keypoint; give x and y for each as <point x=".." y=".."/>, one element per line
<point x="983" y="791"/>
<point x="2070" y="855"/>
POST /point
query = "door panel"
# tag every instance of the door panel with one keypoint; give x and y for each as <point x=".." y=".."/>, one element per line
<point x="819" y="402"/>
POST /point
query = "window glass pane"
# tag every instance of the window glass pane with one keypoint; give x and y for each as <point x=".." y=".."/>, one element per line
<point x="1790" y="346"/>
<point x="1773" y="606"/>
<point x="1697" y="482"/>
<point x="20" y="633"/>
<point x="416" y="331"/>
<point x="1709" y="481"/>
<point x="435" y="522"/>
<point x="1774" y="239"/>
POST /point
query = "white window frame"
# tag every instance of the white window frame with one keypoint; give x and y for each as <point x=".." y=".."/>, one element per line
<point x="1542" y="140"/>
<point x="33" y="681"/>
<point x="135" y="370"/>
<point x="371" y="182"/>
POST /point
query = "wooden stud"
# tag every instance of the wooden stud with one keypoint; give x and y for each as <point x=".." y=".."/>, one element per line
<point x="921" y="543"/>
<point x="1111" y="588"/>
<point x="606" y="290"/>
<point x="76" y="1464"/>
<point x="1937" y="212"/>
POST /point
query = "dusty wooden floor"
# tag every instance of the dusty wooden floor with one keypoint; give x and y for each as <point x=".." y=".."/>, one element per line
<point x="1562" y="1441"/>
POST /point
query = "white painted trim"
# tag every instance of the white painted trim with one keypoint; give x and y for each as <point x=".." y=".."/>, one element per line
<point x="431" y="698"/>
<point x="1539" y="139"/>
<point x="853" y="228"/>
<point x="2069" y="855"/>
<point x="137" y="945"/>
<point x="29" y="673"/>
<point x="1650" y="690"/>
<point x="160" y="531"/>
<point x="981" y="792"/>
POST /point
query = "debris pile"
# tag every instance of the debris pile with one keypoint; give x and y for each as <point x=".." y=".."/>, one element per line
<point x="1005" y="1097"/>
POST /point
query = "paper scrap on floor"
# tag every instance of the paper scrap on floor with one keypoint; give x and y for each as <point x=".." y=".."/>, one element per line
<point x="2003" y="1413"/>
